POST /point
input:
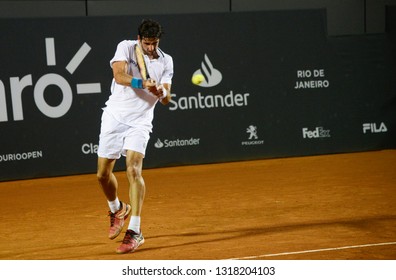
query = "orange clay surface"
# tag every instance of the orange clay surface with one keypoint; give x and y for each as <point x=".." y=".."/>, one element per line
<point x="331" y="207"/>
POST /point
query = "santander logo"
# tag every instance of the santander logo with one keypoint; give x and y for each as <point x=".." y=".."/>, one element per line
<point x="212" y="76"/>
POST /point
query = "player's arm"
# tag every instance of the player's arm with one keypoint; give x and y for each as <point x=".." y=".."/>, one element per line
<point x="122" y="77"/>
<point x="120" y="73"/>
<point x="168" y="73"/>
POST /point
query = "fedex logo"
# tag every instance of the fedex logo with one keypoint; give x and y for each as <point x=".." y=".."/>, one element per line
<point x="318" y="132"/>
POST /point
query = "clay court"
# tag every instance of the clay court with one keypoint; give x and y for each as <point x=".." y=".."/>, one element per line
<point x="330" y="207"/>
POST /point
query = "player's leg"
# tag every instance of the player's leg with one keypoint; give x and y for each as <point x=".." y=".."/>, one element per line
<point x="106" y="178"/>
<point x="137" y="190"/>
<point x="137" y="187"/>
<point x="119" y="211"/>
<point x="110" y="145"/>
<point x="110" y="148"/>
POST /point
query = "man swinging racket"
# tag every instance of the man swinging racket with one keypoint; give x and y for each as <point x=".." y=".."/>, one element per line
<point x="142" y="77"/>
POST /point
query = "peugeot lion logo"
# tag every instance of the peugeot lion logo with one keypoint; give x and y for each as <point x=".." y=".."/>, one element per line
<point x="253" y="137"/>
<point x="252" y="130"/>
<point x="212" y="76"/>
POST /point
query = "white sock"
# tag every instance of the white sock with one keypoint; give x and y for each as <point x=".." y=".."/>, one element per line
<point x="114" y="205"/>
<point x="134" y="224"/>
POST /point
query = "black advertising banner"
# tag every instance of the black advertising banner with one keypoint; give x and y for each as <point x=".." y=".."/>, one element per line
<point x="275" y="86"/>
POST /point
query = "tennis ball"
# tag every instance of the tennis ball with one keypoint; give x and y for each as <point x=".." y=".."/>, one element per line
<point x="197" y="79"/>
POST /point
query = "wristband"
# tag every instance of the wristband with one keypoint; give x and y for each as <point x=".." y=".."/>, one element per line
<point x="137" y="83"/>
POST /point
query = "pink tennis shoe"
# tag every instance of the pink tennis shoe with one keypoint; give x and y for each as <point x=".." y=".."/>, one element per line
<point x="131" y="242"/>
<point x="117" y="220"/>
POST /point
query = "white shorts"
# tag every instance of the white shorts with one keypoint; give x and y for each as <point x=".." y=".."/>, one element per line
<point x="116" y="138"/>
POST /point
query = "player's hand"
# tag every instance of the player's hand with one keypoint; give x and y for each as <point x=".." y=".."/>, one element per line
<point x="149" y="83"/>
<point x="161" y="92"/>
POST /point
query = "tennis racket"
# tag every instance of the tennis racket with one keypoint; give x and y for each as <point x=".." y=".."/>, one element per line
<point x="141" y="62"/>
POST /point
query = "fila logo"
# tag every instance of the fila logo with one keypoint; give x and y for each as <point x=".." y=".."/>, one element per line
<point x="372" y="128"/>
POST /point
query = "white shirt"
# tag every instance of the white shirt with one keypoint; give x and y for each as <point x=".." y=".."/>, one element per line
<point x="135" y="107"/>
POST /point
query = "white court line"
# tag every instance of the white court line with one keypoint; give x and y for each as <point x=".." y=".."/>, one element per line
<point x="315" y="251"/>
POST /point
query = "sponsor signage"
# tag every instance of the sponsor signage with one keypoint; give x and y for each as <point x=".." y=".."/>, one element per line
<point x="374" y="128"/>
<point x="261" y="99"/>
<point x="253" y="138"/>
<point x="19" y="85"/>
<point x="176" y="143"/>
<point x="318" y="132"/>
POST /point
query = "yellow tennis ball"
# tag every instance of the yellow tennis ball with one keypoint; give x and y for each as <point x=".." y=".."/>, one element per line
<point x="197" y="79"/>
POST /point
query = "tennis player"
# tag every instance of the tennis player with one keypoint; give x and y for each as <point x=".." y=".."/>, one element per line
<point x="126" y="125"/>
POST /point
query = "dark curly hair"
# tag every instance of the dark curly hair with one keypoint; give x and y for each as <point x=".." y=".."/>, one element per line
<point x="150" y="29"/>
